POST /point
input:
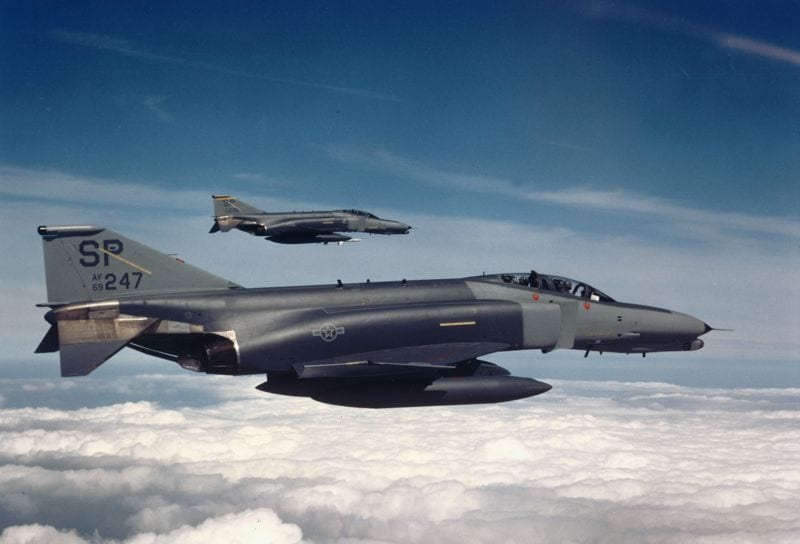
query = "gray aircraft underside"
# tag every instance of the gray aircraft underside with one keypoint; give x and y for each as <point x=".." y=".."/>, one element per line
<point x="299" y="227"/>
<point x="380" y="344"/>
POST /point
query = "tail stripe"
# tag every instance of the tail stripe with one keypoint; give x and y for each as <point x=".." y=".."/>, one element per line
<point x="126" y="261"/>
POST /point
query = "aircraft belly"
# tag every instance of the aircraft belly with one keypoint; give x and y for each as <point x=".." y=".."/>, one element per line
<point x="385" y="332"/>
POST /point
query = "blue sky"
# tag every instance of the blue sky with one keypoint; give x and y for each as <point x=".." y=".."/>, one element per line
<point x="652" y="149"/>
<point x="545" y="95"/>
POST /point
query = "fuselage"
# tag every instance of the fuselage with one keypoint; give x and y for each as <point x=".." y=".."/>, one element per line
<point x="372" y="345"/>
<point x="310" y="227"/>
<point x="277" y="329"/>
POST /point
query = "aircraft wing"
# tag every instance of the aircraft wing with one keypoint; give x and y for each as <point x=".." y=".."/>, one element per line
<point x="305" y="226"/>
<point x="305" y="231"/>
<point x="428" y="361"/>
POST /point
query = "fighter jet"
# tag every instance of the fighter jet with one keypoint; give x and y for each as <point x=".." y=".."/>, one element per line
<point x="375" y="345"/>
<point x="299" y="227"/>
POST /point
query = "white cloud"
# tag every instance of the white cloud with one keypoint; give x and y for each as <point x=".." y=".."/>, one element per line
<point x="603" y="200"/>
<point x="250" y="526"/>
<point x="123" y="46"/>
<point x="156" y="105"/>
<point x="39" y="534"/>
<point x="94" y="195"/>
<point x="625" y="202"/>
<point x="263" y="183"/>
<point x="661" y="21"/>
<point x="758" y="48"/>
<point x="587" y="462"/>
<point x="83" y="191"/>
<point x="249" y="176"/>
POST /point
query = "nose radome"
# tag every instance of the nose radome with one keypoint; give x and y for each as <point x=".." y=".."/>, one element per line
<point x="400" y="226"/>
<point x="691" y="325"/>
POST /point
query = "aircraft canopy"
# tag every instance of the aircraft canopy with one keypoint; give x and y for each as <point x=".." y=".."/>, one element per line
<point x="360" y="212"/>
<point x="558" y="284"/>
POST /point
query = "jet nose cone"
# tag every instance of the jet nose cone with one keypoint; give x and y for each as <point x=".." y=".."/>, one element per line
<point x="397" y="226"/>
<point x="689" y="325"/>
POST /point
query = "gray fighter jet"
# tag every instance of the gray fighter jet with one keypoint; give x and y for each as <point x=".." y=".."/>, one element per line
<point x="376" y="345"/>
<point x="299" y="227"/>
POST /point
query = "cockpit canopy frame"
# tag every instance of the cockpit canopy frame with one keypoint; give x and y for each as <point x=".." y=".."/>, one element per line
<point x="555" y="284"/>
<point x="360" y="212"/>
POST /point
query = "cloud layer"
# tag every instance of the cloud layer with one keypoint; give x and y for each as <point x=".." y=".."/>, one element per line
<point x="122" y="46"/>
<point x="696" y="221"/>
<point x="588" y="462"/>
<point x="661" y="21"/>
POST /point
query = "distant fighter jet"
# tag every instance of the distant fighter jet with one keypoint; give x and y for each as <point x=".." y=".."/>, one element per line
<point x="376" y="345"/>
<point x="299" y="227"/>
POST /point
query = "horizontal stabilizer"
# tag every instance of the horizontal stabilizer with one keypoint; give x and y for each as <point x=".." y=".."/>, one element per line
<point x="85" y="344"/>
<point x="49" y="343"/>
<point x="227" y="223"/>
<point x="81" y="359"/>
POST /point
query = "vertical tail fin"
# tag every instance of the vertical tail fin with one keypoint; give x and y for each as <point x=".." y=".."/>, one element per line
<point x="87" y="270"/>
<point x="228" y="212"/>
<point x="229" y="205"/>
<point x="84" y="263"/>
